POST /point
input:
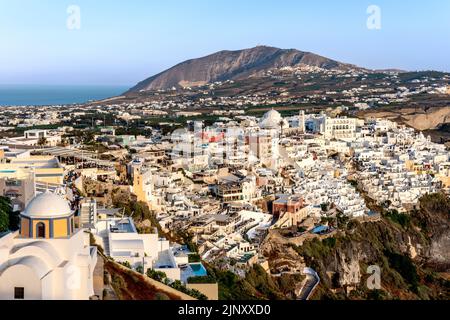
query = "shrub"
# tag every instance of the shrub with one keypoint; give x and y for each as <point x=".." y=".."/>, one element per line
<point x="402" y="219"/>
<point x="352" y="224"/>
<point x="201" y="279"/>
<point x="301" y="229"/>
<point x="194" y="258"/>
<point x="316" y="248"/>
<point x="178" y="285"/>
<point x="5" y="209"/>
<point x="156" y="275"/>
<point x="140" y="269"/>
<point x="436" y="202"/>
<point x="405" y="267"/>
<point x="376" y="295"/>
<point x="161" y="296"/>
<point x="126" y="264"/>
<point x="329" y="242"/>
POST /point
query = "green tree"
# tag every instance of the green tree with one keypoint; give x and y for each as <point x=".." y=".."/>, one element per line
<point x="42" y="141"/>
<point x="140" y="269"/>
<point x="156" y="275"/>
<point x="5" y="212"/>
<point x="126" y="264"/>
<point x="194" y="258"/>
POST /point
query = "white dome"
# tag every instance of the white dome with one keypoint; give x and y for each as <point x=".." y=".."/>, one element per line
<point x="272" y="120"/>
<point x="47" y="205"/>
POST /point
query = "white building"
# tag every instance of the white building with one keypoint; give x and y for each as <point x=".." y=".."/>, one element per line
<point x="48" y="259"/>
<point x="340" y="128"/>
<point x="123" y="243"/>
<point x="35" y="137"/>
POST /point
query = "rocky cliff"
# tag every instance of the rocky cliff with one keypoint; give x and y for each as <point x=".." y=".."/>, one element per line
<point x="412" y="252"/>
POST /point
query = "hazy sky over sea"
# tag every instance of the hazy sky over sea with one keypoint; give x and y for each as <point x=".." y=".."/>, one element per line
<point x="123" y="42"/>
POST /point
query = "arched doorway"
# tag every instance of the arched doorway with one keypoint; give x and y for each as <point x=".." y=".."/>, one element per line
<point x="40" y="230"/>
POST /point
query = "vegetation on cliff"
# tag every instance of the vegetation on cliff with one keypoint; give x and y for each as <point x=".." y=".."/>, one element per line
<point x="256" y="285"/>
<point x="399" y="244"/>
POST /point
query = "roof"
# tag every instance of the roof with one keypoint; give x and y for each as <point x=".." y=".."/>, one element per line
<point x="47" y="205"/>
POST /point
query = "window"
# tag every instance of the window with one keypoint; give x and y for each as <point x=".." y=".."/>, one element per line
<point x="13" y="183"/>
<point x="40" y="230"/>
<point x="19" y="293"/>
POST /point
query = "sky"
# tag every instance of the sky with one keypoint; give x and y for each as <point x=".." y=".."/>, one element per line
<point x="124" y="42"/>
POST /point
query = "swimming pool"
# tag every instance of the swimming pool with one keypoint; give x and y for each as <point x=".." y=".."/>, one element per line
<point x="198" y="269"/>
<point x="319" y="229"/>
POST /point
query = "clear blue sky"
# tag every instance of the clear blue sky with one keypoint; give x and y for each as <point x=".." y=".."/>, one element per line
<point x="123" y="42"/>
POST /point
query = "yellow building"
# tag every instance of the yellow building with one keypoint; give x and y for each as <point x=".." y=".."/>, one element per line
<point x="413" y="166"/>
<point x="142" y="184"/>
<point x="445" y="181"/>
<point x="444" y="174"/>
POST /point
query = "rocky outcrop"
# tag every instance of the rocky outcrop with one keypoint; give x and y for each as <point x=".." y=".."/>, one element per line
<point x="434" y="220"/>
<point x="350" y="269"/>
<point x="282" y="256"/>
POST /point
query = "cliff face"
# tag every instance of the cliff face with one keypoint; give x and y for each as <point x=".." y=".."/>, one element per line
<point x="430" y="119"/>
<point x="413" y="256"/>
<point x="232" y="65"/>
<point x="418" y="118"/>
<point x="433" y="219"/>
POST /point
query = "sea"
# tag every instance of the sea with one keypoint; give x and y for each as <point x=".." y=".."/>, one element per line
<point x="42" y="95"/>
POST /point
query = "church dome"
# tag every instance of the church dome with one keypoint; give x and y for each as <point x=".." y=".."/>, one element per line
<point x="47" y="205"/>
<point x="272" y="120"/>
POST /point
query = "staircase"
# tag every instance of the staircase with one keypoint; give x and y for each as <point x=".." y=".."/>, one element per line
<point x="106" y="245"/>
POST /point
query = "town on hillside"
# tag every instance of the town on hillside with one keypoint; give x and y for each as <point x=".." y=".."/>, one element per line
<point x="99" y="203"/>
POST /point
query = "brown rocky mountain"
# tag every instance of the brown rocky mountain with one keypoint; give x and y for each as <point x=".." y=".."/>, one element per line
<point x="234" y="65"/>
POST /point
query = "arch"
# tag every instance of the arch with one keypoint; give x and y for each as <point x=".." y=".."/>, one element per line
<point x="23" y="277"/>
<point x="40" y="230"/>
<point x="39" y="249"/>
<point x="25" y="272"/>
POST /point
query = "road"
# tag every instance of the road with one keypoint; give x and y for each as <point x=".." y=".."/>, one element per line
<point x="312" y="280"/>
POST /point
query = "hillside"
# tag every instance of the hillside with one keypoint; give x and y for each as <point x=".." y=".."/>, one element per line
<point x="411" y="251"/>
<point x="233" y="65"/>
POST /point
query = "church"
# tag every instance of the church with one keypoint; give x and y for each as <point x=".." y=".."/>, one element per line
<point x="48" y="259"/>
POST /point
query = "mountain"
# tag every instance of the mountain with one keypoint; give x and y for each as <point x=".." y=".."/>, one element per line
<point x="234" y="65"/>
